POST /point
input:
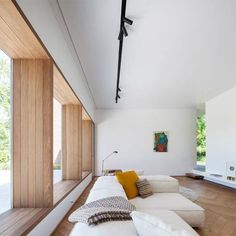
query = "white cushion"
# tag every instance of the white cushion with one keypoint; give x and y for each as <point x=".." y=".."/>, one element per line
<point x="127" y="228"/>
<point x="149" y="225"/>
<point x="114" y="228"/>
<point x="189" y="211"/>
<point x="171" y="218"/>
<point x="162" y="183"/>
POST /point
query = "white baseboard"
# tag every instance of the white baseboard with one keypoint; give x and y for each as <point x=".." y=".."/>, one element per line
<point x="51" y="221"/>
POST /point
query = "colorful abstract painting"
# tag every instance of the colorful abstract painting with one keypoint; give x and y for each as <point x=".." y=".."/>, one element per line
<point x="160" y="142"/>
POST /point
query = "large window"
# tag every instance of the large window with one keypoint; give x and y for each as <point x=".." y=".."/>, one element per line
<point x="5" y="123"/>
<point x="57" y="135"/>
<point x="201" y="140"/>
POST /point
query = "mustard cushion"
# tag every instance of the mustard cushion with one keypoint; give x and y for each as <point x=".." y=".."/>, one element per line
<point x="128" y="181"/>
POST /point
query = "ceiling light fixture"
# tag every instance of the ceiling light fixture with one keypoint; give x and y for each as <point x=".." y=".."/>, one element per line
<point x="123" y="32"/>
<point x="128" y="21"/>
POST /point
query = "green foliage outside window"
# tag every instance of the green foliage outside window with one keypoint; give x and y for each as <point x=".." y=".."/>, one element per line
<point x="201" y="140"/>
<point x="4" y="112"/>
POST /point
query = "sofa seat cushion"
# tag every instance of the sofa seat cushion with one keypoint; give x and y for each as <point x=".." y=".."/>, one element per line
<point x="114" y="228"/>
<point x="127" y="228"/>
<point x="153" y="225"/>
<point x="189" y="211"/>
<point x="162" y="183"/>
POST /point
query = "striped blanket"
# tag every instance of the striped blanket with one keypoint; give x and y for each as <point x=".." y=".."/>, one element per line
<point x="103" y="210"/>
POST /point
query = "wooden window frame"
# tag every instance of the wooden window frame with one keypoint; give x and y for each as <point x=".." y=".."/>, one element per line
<point x="32" y="48"/>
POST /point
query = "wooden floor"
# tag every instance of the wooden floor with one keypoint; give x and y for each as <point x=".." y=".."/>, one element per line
<point x="219" y="203"/>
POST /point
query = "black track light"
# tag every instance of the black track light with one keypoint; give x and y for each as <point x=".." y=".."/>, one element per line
<point x="117" y="97"/>
<point x="128" y="21"/>
<point x="120" y="35"/>
<point x="124" y="31"/>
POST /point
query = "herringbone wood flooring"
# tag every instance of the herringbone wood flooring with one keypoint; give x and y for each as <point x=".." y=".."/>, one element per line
<point x="219" y="203"/>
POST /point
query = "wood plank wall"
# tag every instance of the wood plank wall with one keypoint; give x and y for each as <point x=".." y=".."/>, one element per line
<point x="32" y="133"/>
<point x="93" y="149"/>
<point x="16" y="38"/>
<point x="87" y="145"/>
<point x="62" y="91"/>
<point x="72" y="142"/>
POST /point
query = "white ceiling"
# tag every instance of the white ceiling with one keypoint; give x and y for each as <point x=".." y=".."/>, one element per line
<point x="179" y="53"/>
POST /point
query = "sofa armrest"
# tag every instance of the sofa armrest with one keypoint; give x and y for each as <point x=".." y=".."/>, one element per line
<point x="162" y="183"/>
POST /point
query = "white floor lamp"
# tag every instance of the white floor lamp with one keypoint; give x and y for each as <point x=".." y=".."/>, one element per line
<point x="114" y="152"/>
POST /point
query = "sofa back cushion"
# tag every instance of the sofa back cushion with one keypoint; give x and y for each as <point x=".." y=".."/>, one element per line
<point x="105" y="186"/>
<point x="128" y="181"/>
<point x="162" y="183"/>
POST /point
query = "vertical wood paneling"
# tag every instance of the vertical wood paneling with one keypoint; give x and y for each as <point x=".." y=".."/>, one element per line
<point x="24" y="131"/>
<point x="17" y="133"/>
<point x="38" y="131"/>
<point x="32" y="133"/>
<point x="48" y="132"/>
<point x="72" y="142"/>
<point x="87" y="145"/>
<point x="64" y="143"/>
<point x="93" y="149"/>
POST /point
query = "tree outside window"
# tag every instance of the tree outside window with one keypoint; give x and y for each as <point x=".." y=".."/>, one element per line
<point x="201" y="140"/>
<point x="4" y="112"/>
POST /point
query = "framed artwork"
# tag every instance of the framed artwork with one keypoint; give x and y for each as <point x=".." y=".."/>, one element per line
<point x="160" y="141"/>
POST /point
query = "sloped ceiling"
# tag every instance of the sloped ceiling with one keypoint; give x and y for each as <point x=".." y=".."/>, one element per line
<point x="179" y="53"/>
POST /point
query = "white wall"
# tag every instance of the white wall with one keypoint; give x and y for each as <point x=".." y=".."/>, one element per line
<point x="221" y="131"/>
<point x="131" y="133"/>
<point x="45" y="23"/>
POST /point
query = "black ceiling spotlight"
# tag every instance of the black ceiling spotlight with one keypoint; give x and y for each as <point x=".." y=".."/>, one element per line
<point x="128" y="21"/>
<point x="123" y="32"/>
<point x="120" y="35"/>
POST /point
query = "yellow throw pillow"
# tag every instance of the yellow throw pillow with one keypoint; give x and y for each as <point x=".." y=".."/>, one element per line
<point x="128" y="181"/>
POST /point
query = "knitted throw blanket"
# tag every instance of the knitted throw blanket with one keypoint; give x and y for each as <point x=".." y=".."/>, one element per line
<point x="103" y="210"/>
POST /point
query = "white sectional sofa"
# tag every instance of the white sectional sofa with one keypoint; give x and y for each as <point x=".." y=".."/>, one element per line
<point x="166" y="203"/>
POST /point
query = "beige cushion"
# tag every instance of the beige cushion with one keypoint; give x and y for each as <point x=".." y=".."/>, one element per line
<point x="144" y="188"/>
<point x="189" y="211"/>
<point x="162" y="183"/>
<point x="151" y="225"/>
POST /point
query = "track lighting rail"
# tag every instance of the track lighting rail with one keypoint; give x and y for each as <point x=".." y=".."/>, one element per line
<point x="123" y="32"/>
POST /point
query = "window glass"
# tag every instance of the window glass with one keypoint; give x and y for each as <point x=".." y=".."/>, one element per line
<point x="57" y="134"/>
<point x="5" y="132"/>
